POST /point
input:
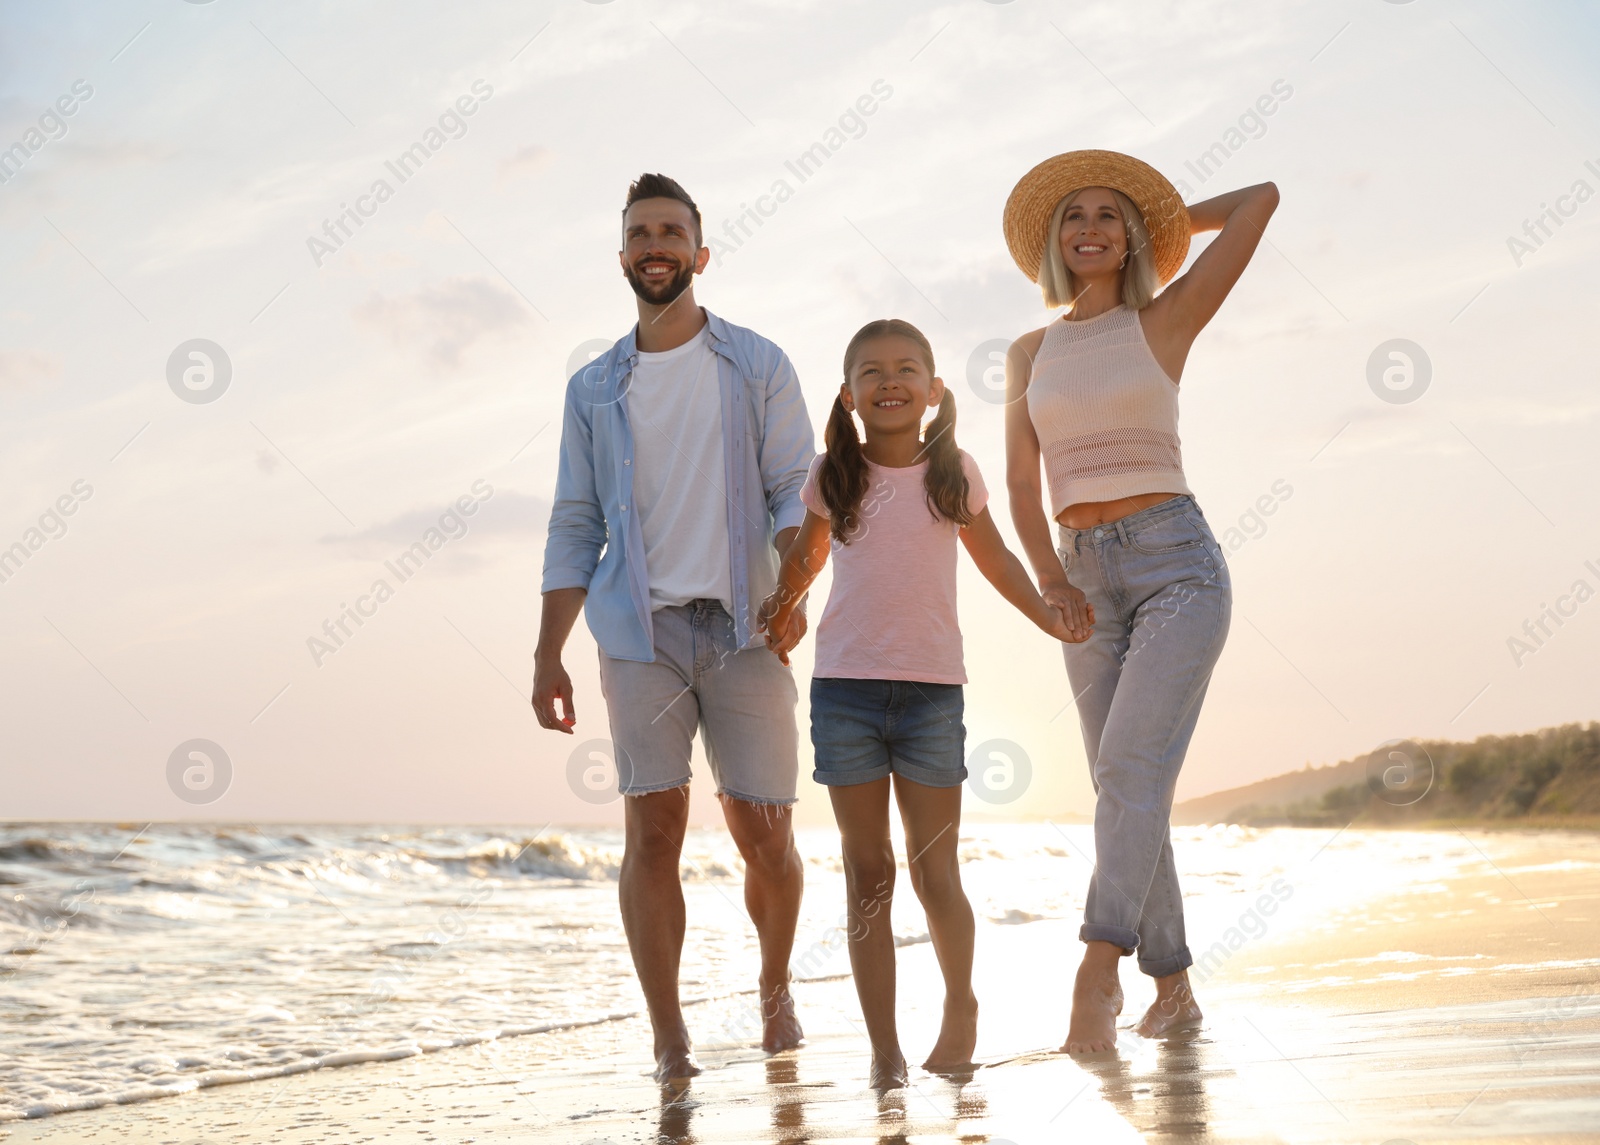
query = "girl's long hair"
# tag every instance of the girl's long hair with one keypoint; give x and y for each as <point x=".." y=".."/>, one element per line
<point x="842" y="476"/>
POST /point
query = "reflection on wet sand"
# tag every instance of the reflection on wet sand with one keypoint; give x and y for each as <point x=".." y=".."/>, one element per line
<point x="956" y="1104"/>
<point x="1168" y="1101"/>
<point x="788" y="1100"/>
<point x="677" y="1110"/>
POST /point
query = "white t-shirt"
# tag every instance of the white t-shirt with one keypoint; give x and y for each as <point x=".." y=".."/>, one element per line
<point x="674" y="404"/>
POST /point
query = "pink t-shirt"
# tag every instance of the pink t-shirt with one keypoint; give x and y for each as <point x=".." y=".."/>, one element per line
<point x="892" y="612"/>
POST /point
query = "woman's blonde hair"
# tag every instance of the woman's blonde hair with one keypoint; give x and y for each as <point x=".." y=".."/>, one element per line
<point x="1139" y="279"/>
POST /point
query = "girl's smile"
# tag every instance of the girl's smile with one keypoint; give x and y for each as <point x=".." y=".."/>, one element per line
<point x="891" y="389"/>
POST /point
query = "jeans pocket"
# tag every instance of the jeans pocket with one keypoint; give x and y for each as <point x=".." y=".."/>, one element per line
<point x="1168" y="535"/>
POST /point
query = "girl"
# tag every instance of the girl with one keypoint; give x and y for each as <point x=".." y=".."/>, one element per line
<point x="886" y="699"/>
<point x="1094" y="396"/>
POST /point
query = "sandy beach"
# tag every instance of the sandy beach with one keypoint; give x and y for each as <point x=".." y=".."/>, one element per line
<point x="1461" y="1008"/>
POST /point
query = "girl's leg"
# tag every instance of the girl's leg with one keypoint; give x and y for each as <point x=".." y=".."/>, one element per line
<point x="862" y="812"/>
<point x="932" y="818"/>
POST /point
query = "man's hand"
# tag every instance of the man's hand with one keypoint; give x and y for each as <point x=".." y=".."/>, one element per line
<point x="550" y="683"/>
<point x="559" y="612"/>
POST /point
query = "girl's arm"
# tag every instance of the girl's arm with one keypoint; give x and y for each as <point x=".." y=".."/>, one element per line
<point x="1026" y="489"/>
<point x="806" y="555"/>
<point x="1002" y="569"/>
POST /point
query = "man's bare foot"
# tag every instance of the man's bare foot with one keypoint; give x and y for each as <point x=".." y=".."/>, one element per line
<point x="674" y="1063"/>
<point x="888" y="1073"/>
<point x="1173" y="1009"/>
<point x="780" y="1029"/>
<point x="1096" y="1002"/>
<point x="958" y="1037"/>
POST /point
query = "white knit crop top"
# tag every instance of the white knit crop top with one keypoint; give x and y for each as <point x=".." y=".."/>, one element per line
<point x="1105" y="411"/>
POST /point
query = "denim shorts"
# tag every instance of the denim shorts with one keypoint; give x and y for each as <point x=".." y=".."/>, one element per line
<point x="864" y="730"/>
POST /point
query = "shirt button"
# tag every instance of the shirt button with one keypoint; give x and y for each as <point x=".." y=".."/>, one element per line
<point x="628" y="461"/>
<point x="624" y="508"/>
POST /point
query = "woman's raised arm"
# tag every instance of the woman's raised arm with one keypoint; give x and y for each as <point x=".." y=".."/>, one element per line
<point x="1193" y="299"/>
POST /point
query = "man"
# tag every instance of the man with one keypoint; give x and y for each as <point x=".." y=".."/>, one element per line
<point x="683" y="449"/>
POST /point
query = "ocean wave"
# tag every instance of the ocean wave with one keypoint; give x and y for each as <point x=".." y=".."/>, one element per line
<point x="167" y="1083"/>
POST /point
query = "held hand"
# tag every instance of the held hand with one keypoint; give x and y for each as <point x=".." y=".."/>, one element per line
<point x="550" y="683"/>
<point x="1073" y="607"/>
<point x="783" y="626"/>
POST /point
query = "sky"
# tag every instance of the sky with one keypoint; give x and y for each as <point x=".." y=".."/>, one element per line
<point x="226" y="412"/>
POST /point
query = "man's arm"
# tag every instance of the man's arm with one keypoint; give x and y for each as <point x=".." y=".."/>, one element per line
<point x="577" y="531"/>
<point x="786" y="448"/>
<point x="572" y="550"/>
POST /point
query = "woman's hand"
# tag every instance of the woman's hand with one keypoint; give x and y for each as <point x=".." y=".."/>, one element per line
<point x="1076" y="613"/>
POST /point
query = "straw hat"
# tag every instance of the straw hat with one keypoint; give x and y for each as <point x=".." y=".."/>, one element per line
<point x="1034" y="199"/>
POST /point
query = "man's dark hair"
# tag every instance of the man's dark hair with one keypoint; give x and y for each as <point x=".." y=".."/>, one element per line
<point x="660" y="187"/>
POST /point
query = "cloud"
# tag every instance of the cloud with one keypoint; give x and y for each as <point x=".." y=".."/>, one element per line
<point x="446" y="319"/>
<point x="524" y="164"/>
<point x="506" y="513"/>
<point x="19" y="368"/>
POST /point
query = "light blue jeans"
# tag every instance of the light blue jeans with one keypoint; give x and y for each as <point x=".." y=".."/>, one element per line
<point x="1162" y="602"/>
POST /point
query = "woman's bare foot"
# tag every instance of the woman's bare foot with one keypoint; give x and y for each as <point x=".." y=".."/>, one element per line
<point x="1096" y="1002"/>
<point x="958" y="1037"/>
<point x="1173" y="1009"/>
<point x="888" y="1072"/>
<point x="675" y="1062"/>
<point x="780" y="1029"/>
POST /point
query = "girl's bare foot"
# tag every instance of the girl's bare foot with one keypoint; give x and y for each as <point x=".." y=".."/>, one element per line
<point x="1096" y="1002"/>
<point x="958" y="1037"/>
<point x="780" y="1029"/>
<point x="888" y="1072"/>
<point x="1173" y="1009"/>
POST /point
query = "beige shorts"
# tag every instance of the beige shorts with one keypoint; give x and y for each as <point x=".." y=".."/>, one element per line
<point x="742" y="702"/>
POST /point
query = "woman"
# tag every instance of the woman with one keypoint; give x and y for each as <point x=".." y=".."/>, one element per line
<point x="1095" y="396"/>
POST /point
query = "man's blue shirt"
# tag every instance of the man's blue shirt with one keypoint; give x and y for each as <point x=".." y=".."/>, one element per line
<point x="595" y="540"/>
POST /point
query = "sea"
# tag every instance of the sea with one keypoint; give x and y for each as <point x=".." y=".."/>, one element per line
<point x="138" y="961"/>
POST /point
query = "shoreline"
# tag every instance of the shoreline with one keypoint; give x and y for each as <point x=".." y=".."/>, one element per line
<point x="1447" y="1004"/>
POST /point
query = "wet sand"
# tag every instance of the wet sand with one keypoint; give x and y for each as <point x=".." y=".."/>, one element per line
<point x="1455" y="1006"/>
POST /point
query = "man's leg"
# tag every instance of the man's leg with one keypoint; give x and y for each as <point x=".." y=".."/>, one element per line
<point x="747" y="701"/>
<point x="651" y="894"/>
<point x="653" y="715"/>
<point x="773" y="881"/>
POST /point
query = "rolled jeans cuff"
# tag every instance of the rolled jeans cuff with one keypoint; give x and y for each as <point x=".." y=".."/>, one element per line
<point x="1106" y="932"/>
<point x="1162" y="967"/>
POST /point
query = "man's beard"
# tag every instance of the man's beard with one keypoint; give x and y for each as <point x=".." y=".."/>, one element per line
<point x="664" y="294"/>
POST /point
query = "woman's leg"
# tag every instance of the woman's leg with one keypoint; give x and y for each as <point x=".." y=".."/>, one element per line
<point x="862" y="812"/>
<point x="932" y="818"/>
<point x="1161" y="929"/>
<point x="1178" y="629"/>
<point x="1094" y="668"/>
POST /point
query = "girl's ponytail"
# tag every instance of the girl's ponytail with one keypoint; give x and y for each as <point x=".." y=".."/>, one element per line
<point x="842" y="476"/>
<point x="946" y="483"/>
